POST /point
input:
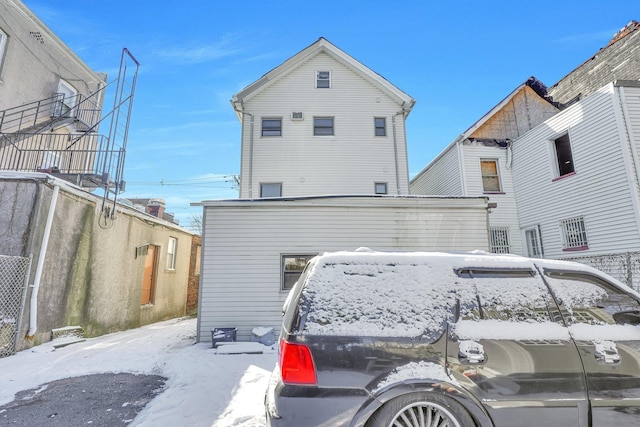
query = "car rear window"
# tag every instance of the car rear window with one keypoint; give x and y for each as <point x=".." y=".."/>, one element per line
<point x="378" y="300"/>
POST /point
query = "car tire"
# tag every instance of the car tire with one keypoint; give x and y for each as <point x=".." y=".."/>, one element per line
<point x="421" y="409"/>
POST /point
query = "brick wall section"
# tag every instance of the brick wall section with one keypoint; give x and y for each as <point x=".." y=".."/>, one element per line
<point x="619" y="60"/>
<point x="194" y="276"/>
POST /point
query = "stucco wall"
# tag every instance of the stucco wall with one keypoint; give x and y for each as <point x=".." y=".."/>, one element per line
<point x="91" y="275"/>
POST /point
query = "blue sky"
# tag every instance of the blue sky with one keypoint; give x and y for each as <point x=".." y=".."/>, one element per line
<point x="458" y="59"/>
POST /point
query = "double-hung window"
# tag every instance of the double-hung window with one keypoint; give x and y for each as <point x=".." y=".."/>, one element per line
<point x="323" y="79"/>
<point x="380" y="125"/>
<point x="323" y="126"/>
<point x="574" y="234"/>
<point x="490" y="176"/>
<point x="271" y="127"/>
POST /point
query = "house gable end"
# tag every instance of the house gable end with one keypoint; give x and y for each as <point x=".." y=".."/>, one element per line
<point x="319" y="47"/>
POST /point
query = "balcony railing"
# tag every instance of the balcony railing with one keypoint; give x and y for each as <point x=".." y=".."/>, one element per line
<point x="38" y="115"/>
<point x="88" y="156"/>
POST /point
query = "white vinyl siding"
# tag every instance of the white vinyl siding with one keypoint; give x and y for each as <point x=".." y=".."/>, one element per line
<point x="355" y="157"/>
<point x="506" y="212"/>
<point x="241" y="265"/>
<point x="599" y="148"/>
<point x="441" y="177"/>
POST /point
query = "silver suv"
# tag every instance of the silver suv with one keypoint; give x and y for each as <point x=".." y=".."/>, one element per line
<point x="473" y="339"/>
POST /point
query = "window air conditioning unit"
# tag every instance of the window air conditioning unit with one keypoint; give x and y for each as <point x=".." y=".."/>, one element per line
<point x="297" y="115"/>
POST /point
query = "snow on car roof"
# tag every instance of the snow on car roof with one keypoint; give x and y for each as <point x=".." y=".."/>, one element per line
<point x="412" y="294"/>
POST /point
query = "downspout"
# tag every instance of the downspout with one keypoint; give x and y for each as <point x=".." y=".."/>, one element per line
<point x="633" y="169"/>
<point x="250" y="177"/>
<point x="33" y="314"/>
<point x="463" y="178"/>
<point x="395" y="147"/>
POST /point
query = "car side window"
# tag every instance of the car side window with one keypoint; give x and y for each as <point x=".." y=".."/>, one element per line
<point x="587" y="299"/>
<point x="517" y="295"/>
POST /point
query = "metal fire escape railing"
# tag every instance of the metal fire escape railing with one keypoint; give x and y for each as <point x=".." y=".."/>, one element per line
<point x="29" y="141"/>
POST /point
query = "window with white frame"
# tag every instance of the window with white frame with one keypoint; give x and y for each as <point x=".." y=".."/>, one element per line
<point x="574" y="234"/>
<point x="272" y="127"/>
<point x="323" y="79"/>
<point x="270" y="189"/>
<point x="564" y="156"/>
<point x="381" y="188"/>
<point x="172" y="246"/>
<point x="291" y="267"/>
<point x="323" y="126"/>
<point x="534" y="242"/>
<point x="380" y="124"/>
<point x="499" y="240"/>
<point x="490" y="176"/>
<point x="3" y="46"/>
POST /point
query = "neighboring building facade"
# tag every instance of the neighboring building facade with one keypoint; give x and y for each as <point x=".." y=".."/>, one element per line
<point x="618" y="60"/>
<point x="50" y="101"/>
<point x="576" y="178"/>
<point x="570" y="182"/>
<point x="101" y="273"/>
<point x="254" y="250"/>
<point x="322" y="123"/>
<point x="323" y="168"/>
<point x="478" y="162"/>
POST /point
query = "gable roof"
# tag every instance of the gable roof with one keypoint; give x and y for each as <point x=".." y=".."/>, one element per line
<point x="322" y="45"/>
<point x="536" y="85"/>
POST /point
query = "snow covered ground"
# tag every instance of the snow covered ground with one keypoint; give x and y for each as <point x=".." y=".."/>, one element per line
<point x="203" y="388"/>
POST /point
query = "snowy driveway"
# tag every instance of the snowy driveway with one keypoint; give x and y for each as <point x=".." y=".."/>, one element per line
<point x="202" y="388"/>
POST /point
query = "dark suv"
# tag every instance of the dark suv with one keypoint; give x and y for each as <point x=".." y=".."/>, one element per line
<point x="473" y="339"/>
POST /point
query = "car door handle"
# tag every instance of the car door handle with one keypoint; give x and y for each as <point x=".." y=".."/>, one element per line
<point x="471" y="353"/>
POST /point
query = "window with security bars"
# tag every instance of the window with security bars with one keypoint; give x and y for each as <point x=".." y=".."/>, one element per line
<point x="499" y="240"/>
<point x="574" y="234"/>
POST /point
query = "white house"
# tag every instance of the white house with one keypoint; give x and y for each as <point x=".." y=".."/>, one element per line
<point x="254" y="250"/>
<point x="478" y="162"/>
<point x="323" y="168"/>
<point x="322" y="123"/>
<point x="576" y="177"/>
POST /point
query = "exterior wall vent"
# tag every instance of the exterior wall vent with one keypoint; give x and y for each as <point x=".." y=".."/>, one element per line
<point x="297" y="115"/>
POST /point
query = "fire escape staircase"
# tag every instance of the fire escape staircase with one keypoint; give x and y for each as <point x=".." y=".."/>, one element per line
<point x="59" y="135"/>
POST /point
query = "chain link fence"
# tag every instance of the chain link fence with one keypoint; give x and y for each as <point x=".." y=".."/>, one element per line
<point x="14" y="277"/>
<point x="624" y="267"/>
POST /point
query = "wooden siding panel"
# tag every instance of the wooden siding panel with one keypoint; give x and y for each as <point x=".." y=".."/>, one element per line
<point x="243" y="246"/>
<point x="350" y="161"/>
<point x="599" y="190"/>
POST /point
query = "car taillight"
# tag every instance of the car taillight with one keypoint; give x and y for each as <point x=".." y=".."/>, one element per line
<point x="296" y="364"/>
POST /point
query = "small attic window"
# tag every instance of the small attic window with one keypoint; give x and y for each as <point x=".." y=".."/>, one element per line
<point x="323" y="79"/>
